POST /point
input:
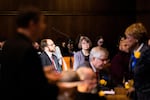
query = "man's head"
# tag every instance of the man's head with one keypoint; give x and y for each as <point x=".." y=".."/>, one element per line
<point x="31" y="20"/>
<point x="135" y="35"/>
<point x="123" y="45"/>
<point x="88" y="77"/>
<point x="99" y="57"/>
<point x="48" y="45"/>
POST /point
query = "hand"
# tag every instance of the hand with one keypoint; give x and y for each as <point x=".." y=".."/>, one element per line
<point x="130" y="91"/>
<point x="51" y="74"/>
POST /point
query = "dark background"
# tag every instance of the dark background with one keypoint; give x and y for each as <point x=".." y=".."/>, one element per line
<point x="93" y="18"/>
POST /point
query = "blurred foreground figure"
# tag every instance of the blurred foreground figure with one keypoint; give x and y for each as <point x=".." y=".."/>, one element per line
<point x="22" y="72"/>
<point x="68" y="85"/>
<point x="87" y="88"/>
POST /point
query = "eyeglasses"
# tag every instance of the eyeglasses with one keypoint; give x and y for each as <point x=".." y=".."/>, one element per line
<point x="106" y="60"/>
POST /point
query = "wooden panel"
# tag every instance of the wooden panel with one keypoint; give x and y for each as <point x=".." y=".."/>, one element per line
<point x="74" y="17"/>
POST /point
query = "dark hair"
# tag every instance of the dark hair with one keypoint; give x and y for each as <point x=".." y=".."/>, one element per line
<point x="26" y="15"/>
<point x="43" y="44"/>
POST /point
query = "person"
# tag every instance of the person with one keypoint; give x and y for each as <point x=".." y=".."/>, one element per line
<point x="87" y="87"/>
<point x="136" y="37"/>
<point x="98" y="58"/>
<point x="68" y="85"/>
<point x="149" y="42"/>
<point x="100" y="41"/>
<point x="82" y="56"/>
<point x="48" y="56"/>
<point x="98" y="61"/>
<point x="120" y="64"/>
<point x="64" y="49"/>
<point x="87" y="75"/>
<point x="37" y="47"/>
<point x="1" y="44"/>
<point x="22" y="72"/>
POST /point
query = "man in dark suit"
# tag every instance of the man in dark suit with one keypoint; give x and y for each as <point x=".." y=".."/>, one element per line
<point x="98" y="61"/>
<point x="48" y="57"/>
<point x="136" y="35"/>
<point x="22" y="73"/>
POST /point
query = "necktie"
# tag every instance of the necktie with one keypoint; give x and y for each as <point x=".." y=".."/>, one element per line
<point x="133" y="61"/>
<point x="53" y="61"/>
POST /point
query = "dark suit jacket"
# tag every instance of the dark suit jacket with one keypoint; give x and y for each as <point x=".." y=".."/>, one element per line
<point x="22" y="72"/>
<point x="142" y="70"/>
<point x="47" y="61"/>
<point x="102" y="74"/>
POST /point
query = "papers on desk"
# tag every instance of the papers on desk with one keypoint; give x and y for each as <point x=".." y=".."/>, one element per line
<point x="109" y="92"/>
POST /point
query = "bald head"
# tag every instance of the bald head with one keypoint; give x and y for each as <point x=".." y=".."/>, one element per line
<point x="85" y="73"/>
<point x="88" y="77"/>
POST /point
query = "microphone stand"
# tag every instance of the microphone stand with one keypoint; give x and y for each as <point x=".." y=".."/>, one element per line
<point x="70" y="51"/>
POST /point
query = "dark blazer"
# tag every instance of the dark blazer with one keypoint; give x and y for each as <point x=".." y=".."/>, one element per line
<point x="22" y="72"/>
<point x="141" y="72"/>
<point x="47" y="61"/>
<point x="102" y="74"/>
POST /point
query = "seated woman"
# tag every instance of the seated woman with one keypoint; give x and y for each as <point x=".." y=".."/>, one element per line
<point x="82" y="56"/>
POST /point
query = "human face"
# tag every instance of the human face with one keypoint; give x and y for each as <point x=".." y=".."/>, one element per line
<point x="51" y="46"/>
<point x="123" y="46"/>
<point x="100" y="62"/>
<point x="131" y="42"/>
<point x="85" y="45"/>
<point x="100" y="42"/>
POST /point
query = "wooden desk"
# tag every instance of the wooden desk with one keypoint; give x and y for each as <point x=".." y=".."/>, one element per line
<point x="117" y="97"/>
<point x="120" y="94"/>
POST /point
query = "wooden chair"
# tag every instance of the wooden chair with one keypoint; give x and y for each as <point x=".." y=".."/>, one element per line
<point x="67" y="63"/>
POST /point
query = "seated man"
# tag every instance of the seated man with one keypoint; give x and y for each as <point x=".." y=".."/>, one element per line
<point x="47" y="56"/>
<point x="99" y="64"/>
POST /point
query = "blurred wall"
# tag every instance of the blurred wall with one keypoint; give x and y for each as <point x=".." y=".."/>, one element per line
<point x="73" y="17"/>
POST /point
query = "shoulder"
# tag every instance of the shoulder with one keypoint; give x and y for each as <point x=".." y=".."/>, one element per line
<point x="78" y="53"/>
<point x="43" y="54"/>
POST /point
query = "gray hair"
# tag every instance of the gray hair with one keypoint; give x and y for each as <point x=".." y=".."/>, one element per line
<point x="97" y="52"/>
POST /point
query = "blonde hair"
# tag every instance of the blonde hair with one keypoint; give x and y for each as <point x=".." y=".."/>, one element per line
<point x="138" y="31"/>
